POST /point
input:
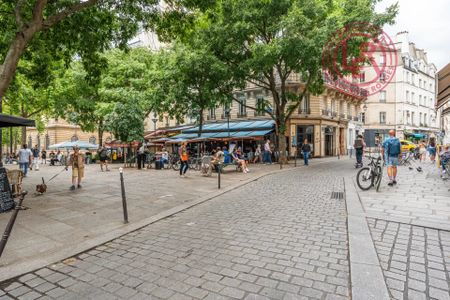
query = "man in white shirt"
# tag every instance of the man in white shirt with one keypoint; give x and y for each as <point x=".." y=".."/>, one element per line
<point x="24" y="159"/>
<point x="267" y="153"/>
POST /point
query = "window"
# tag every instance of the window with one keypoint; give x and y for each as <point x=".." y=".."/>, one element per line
<point x="382" y="117"/>
<point x="407" y="96"/>
<point x="362" y="77"/>
<point x="167" y="121"/>
<point x="382" y="60"/>
<point x="413" y="118"/>
<point x="420" y="119"/>
<point x="413" y="100"/>
<point x="242" y="108"/>
<point x="212" y="113"/>
<point x="420" y="100"/>
<point x="431" y="87"/>
<point x="93" y="140"/>
<point x="363" y="117"/>
<point x="260" y="106"/>
<point x="407" y="76"/>
<point x="74" y="138"/>
<point x="420" y="82"/>
<point x="412" y="79"/>
<point x="383" y="96"/>
<point x="305" y="105"/>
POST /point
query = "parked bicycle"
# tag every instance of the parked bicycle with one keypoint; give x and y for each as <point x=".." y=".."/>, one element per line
<point x="371" y="175"/>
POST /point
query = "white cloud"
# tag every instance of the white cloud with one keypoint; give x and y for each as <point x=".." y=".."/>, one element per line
<point x="428" y="24"/>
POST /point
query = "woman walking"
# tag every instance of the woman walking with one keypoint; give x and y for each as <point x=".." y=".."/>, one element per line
<point x="184" y="158"/>
<point x="432" y="151"/>
<point x="258" y="153"/>
<point x="422" y="151"/>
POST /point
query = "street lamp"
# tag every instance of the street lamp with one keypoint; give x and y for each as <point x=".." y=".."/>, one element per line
<point x="227" y="114"/>
<point x="154" y="121"/>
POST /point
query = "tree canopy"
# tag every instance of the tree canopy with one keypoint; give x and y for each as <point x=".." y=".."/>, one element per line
<point x="264" y="43"/>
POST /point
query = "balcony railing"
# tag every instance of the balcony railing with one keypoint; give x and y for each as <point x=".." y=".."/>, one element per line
<point x="242" y="115"/>
<point x="325" y="112"/>
<point x="305" y="111"/>
<point x="342" y="116"/>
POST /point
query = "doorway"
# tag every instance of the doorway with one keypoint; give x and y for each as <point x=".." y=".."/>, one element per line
<point x="329" y="141"/>
<point x="305" y="132"/>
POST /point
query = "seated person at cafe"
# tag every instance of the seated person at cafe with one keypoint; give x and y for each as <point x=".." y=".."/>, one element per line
<point x="226" y="155"/>
<point x="55" y="158"/>
<point x="164" y="156"/>
<point x="240" y="160"/>
<point x="218" y="158"/>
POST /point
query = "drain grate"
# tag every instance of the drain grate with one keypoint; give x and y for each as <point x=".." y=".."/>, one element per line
<point x="337" y="195"/>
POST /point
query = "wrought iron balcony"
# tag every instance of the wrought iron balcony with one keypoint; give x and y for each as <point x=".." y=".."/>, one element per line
<point x="242" y="115"/>
<point x="304" y="111"/>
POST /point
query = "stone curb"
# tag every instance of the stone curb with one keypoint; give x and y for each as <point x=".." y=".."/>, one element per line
<point x="366" y="275"/>
<point x="30" y="265"/>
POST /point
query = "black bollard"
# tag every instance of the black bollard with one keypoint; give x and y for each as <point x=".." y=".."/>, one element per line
<point x="124" y="198"/>
<point x="11" y="222"/>
<point x="219" y="167"/>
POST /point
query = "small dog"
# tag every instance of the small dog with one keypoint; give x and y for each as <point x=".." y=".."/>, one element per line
<point x="41" y="188"/>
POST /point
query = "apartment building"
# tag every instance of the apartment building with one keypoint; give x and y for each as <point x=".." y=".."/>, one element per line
<point x="407" y="103"/>
<point x="443" y="103"/>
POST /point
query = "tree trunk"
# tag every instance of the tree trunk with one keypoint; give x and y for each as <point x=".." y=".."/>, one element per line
<point x="100" y="133"/>
<point x="282" y="147"/>
<point x="24" y="135"/>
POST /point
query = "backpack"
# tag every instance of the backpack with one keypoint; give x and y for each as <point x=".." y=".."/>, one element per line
<point x="394" y="147"/>
<point x="104" y="153"/>
<point x="358" y="144"/>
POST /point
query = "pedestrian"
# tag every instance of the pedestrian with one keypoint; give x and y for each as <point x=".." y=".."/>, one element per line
<point x="35" y="152"/>
<point x="359" y="146"/>
<point x="141" y="156"/>
<point x="306" y="150"/>
<point x="184" y="159"/>
<point x="267" y="153"/>
<point x="432" y="151"/>
<point x="44" y="156"/>
<point x="422" y="150"/>
<point x="445" y="159"/>
<point x="25" y="157"/>
<point x="258" y="153"/>
<point x="103" y="156"/>
<point x="76" y="161"/>
<point x="226" y="155"/>
<point x="391" y="151"/>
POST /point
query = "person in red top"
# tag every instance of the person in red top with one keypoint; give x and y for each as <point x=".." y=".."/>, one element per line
<point x="184" y="158"/>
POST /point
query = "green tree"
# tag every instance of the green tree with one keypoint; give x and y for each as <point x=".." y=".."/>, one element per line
<point x="266" y="42"/>
<point x="126" y="121"/>
<point x="189" y="81"/>
<point x="123" y="79"/>
<point x="66" y="28"/>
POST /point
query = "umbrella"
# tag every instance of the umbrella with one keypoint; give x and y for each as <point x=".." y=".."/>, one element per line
<point x="70" y="145"/>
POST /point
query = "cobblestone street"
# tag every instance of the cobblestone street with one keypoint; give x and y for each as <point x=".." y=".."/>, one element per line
<point x="279" y="238"/>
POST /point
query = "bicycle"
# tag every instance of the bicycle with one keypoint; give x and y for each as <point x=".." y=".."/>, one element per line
<point x="371" y="175"/>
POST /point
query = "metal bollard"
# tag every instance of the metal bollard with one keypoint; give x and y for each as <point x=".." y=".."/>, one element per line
<point x="11" y="222"/>
<point x="218" y="173"/>
<point x="124" y="198"/>
<point x="295" y="158"/>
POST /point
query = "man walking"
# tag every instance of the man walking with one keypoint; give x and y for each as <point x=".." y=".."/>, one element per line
<point x="103" y="155"/>
<point x="306" y="150"/>
<point x="76" y="161"/>
<point x="24" y="159"/>
<point x="391" y="151"/>
<point x="267" y="153"/>
<point x="359" y="148"/>
<point x="36" y="157"/>
<point x="141" y="156"/>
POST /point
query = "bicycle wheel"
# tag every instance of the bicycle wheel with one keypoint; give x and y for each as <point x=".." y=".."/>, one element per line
<point x="379" y="172"/>
<point x="365" y="178"/>
<point x="176" y="165"/>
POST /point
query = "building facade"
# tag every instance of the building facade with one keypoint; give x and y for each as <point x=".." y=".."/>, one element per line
<point x="408" y="102"/>
<point x="443" y="102"/>
<point x="58" y="131"/>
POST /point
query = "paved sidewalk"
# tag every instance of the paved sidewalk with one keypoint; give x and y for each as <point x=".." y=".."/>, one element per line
<point x="280" y="237"/>
<point x="410" y="226"/>
<point x="62" y="221"/>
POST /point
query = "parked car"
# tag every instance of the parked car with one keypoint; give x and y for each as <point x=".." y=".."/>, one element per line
<point x="407" y="146"/>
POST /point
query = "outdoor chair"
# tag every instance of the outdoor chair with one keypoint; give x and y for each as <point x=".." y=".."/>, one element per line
<point x="15" y="180"/>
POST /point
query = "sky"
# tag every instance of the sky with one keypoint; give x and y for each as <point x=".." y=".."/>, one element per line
<point x="428" y="24"/>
